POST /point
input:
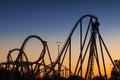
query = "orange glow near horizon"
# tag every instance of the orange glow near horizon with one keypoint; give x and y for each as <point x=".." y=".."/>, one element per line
<point x="34" y="48"/>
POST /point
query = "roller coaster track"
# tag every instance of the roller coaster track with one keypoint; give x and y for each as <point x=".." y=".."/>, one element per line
<point x="93" y="24"/>
<point x="90" y="42"/>
<point x="22" y="64"/>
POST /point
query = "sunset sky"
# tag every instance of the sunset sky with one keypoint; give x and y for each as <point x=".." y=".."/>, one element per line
<point x="53" y="20"/>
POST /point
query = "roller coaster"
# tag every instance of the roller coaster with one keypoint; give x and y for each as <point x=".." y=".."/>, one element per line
<point x="91" y="53"/>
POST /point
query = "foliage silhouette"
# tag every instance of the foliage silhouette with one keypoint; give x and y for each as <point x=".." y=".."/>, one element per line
<point x="115" y="75"/>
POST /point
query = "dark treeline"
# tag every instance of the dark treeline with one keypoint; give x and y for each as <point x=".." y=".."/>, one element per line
<point x="15" y="75"/>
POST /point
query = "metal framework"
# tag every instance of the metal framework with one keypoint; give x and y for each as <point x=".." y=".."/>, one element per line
<point x="90" y="42"/>
<point x="22" y="65"/>
<point x="91" y="46"/>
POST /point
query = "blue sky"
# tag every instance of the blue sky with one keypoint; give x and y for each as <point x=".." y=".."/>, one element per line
<point x="52" y="20"/>
<point x="21" y="17"/>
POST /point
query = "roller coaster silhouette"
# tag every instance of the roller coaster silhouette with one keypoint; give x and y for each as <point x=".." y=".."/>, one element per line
<point x="90" y="42"/>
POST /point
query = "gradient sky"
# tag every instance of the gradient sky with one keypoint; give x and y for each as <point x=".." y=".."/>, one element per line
<point x="52" y="20"/>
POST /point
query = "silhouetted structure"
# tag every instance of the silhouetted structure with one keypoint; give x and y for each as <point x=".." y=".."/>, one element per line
<point x="22" y="68"/>
<point x="115" y="75"/>
<point x="91" y="46"/>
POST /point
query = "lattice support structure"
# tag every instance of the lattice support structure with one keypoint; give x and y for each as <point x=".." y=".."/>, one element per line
<point x="89" y="41"/>
<point x="90" y="72"/>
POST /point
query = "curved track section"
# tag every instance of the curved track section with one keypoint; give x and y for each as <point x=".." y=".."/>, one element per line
<point x="90" y="44"/>
<point x="91" y="55"/>
<point x="21" y="64"/>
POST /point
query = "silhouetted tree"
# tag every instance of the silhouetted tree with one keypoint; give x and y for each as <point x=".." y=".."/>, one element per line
<point x="75" y="78"/>
<point x="115" y="74"/>
<point x="4" y="74"/>
<point x="99" y="78"/>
